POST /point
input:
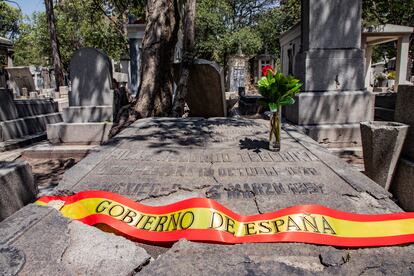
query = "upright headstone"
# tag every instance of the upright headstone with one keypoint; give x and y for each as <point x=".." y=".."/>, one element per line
<point x="238" y="72"/>
<point x="91" y="78"/>
<point x="21" y="77"/>
<point x="206" y="96"/>
<point x="89" y="116"/>
<point x="330" y="63"/>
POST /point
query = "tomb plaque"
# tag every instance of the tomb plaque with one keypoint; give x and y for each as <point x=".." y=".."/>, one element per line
<point x="160" y="161"/>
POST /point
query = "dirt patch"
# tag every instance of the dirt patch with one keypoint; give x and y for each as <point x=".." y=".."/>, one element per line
<point x="47" y="173"/>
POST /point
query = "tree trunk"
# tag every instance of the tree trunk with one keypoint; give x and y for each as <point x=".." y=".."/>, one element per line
<point x="57" y="62"/>
<point x="188" y="57"/>
<point x="156" y="88"/>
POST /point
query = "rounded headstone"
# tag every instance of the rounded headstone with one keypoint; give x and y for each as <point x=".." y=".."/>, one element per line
<point x="91" y="78"/>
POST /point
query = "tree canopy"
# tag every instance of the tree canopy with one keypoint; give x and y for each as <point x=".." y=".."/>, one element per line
<point x="222" y="26"/>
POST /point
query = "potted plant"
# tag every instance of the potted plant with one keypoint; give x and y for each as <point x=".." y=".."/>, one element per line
<point x="391" y="79"/>
<point x="276" y="90"/>
<point x="381" y="78"/>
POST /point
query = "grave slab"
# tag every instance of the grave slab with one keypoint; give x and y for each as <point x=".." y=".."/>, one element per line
<point x="163" y="160"/>
<point x="45" y="243"/>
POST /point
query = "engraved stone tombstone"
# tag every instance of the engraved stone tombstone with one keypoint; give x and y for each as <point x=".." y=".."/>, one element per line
<point x="206" y="96"/>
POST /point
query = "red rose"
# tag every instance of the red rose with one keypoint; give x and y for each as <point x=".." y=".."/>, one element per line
<point x="265" y="69"/>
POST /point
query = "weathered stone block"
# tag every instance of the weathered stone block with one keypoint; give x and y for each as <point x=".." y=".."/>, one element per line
<point x="7" y="108"/>
<point x="17" y="187"/>
<point x="321" y="28"/>
<point x="403" y="185"/>
<point x="334" y="135"/>
<point x="27" y="126"/>
<point x="91" y="77"/>
<point x="85" y="114"/>
<point x="382" y="143"/>
<point x="52" y="244"/>
<point x="206" y="96"/>
<point x="404" y="113"/>
<point x="331" y="70"/>
<point x="27" y="108"/>
<point x="78" y="133"/>
<point x="345" y="107"/>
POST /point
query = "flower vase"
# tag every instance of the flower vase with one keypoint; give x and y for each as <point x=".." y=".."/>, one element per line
<point x="275" y="126"/>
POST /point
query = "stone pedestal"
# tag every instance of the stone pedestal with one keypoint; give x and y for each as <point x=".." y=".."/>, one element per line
<point x="89" y="116"/>
<point x="330" y="64"/>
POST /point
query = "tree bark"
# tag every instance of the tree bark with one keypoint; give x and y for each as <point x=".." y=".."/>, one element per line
<point x="187" y="59"/>
<point x="57" y="62"/>
<point x="156" y="87"/>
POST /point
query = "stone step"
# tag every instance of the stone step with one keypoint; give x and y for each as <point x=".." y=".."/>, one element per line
<point x="78" y="133"/>
<point x="28" y="108"/>
<point x="48" y="151"/>
<point x="24" y="141"/>
<point x="88" y="114"/>
<point x="27" y="126"/>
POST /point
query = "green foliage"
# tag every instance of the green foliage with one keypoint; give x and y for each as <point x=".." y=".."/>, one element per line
<point x="10" y="19"/>
<point x="79" y="23"/>
<point x="224" y="26"/>
<point x="391" y="75"/>
<point x="277" y="90"/>
<point x="378" y="12"/>
<point x="272" y="23"/>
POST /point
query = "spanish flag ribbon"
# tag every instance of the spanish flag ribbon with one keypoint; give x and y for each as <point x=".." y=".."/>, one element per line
<point x="202" y="219"/>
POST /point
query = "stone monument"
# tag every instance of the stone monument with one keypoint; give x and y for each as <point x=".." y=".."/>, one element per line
<point x="89" y="116"/>
<point x="330" y="63"/>
<point x="206" y="96"/>
<point x="21" y="78"/>
<point x="238" y="74"/>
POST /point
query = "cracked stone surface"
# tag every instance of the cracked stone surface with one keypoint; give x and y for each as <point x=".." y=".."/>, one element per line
<point x="42" y="242"/>
<point x="159" y="161"/>
<point x="279" y="259"/>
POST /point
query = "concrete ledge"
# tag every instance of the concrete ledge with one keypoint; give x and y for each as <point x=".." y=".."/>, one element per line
<point x="78" y="133"/>
<point x="17" y="187"/>
<point x="384" y="114"/>
<point x="88" y="114"/>
<point x="27" y="126"/>
<point x="22" y="142"/>
<point x="347" y="107"/>
<point x="334" y="135"/>
<point x="28" y="108"/>
<point x="62" y="151"/>
<point x="403" y="185"/>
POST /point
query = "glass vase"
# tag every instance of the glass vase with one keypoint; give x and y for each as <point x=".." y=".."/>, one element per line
<point x="275" y="126"/>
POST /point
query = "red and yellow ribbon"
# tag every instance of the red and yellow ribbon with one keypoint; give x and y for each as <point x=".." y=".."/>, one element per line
<point x="201" y="219"/>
